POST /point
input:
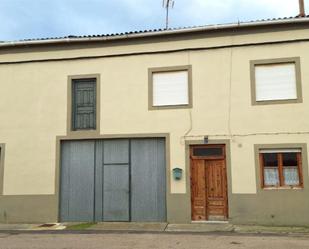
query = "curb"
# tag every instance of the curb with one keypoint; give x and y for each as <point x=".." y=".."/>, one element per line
<point x="91" y="231"/>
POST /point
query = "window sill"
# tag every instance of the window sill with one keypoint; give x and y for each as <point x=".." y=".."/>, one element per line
<point x="283" y="188"/>
<point x="83" y="133"/>
<point x="276" y="101"/>
<point x="168" y="107"/>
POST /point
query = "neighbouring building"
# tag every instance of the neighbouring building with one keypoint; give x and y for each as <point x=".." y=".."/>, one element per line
<point x="196" y="124"/>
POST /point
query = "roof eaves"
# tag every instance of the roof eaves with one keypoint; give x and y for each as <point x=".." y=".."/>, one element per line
<point x="154" y="32"/>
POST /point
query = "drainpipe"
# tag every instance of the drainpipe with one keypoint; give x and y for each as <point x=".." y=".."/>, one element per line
<point x="301" y="9"/>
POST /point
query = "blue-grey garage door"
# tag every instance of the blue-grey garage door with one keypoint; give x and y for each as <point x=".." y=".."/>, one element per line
<point x="113" y="180"/>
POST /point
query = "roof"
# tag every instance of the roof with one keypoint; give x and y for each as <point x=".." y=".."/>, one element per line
<point x="155" y="32"/>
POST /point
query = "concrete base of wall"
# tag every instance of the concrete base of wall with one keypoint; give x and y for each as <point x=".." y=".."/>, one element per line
<point x="44" y="209"/>
<point x="270" y="208"/>
<point x="266" y="208"/>
<point x="28" y="209"/>
<point x="178" y="208"/>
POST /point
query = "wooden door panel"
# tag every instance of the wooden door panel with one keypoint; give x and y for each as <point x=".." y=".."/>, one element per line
<point x="214" y="179"/>
<point x="216" y="202"/>
<point x="208" y="188"/>
<point x="215" y="210"/>
<point x="198" y="197"/>
<point x="216" y="188"/>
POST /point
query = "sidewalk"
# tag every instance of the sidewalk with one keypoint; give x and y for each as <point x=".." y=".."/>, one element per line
<point x="154" y="228"/>
<point x="31" y="227"/>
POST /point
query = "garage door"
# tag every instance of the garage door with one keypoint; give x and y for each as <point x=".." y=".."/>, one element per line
<point x="113" y="180"/>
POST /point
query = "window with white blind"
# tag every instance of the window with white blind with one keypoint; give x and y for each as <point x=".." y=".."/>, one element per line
<point x="276" y="81"/>
<point x="170" y="87"/>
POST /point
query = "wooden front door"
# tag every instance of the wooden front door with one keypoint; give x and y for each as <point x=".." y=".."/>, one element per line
<point x="208" y="182"/>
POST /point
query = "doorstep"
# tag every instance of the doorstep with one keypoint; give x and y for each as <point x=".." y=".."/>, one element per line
<point x="200" y="227"/>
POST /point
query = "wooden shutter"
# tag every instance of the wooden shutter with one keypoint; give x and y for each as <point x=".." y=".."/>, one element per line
<point x="170" y="88"/>
<point x="84" y="104"/>
<point x="275" y="82"/>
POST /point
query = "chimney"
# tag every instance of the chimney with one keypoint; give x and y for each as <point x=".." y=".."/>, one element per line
<point x="301" y="9"/>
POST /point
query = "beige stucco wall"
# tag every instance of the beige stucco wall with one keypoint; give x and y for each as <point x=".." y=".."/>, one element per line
<point x="33" y="104"/>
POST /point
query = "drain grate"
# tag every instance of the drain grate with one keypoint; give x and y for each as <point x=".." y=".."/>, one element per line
<point x="48" y="225"/>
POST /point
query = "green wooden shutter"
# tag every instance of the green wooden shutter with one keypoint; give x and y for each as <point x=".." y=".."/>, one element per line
<point x="84" y="104"/>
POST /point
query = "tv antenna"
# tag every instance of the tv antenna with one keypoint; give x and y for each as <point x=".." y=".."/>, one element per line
<point x="302" y="12"/>
<point x="167" y="4"/>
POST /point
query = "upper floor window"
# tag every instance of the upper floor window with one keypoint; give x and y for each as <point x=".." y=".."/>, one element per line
<point x="281" y="168"/>
<point x="84" y="104"/>
<point x="276" y="81"/>
<point x="170" y="87"/>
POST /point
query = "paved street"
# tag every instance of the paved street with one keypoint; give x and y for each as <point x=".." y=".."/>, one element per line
<point x="138" y="241"/>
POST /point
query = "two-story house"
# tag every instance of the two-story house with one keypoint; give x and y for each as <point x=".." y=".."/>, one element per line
<point x="196" y="124"/>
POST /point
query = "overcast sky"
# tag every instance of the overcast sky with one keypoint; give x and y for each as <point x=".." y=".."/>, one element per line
<point x="22" y="19"/>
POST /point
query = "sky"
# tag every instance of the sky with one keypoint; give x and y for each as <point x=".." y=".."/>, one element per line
<point x="25" y="19"/>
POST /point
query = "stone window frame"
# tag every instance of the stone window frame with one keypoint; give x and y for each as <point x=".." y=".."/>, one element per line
<point x="70" y="130"/>
<point x="278" y="61"/>
<point x="259" y="173"/>
<point x="153" y="70"/>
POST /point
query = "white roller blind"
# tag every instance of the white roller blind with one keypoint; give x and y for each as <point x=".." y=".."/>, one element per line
<point x="275" y="82"/>
<point x="170" y="88"/>
<point x="280" y="150"/>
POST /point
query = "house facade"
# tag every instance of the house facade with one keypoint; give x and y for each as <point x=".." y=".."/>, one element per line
<point x="189" y="125"/>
